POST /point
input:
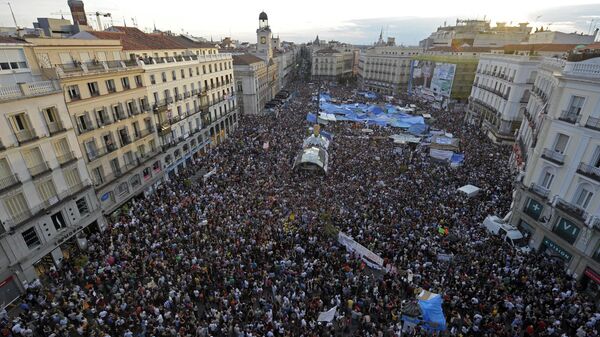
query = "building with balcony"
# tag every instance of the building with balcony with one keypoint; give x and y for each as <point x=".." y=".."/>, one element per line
<point x="385" y="69"/>
<point x="47" y="199"/>
<point x="334" y="63"/>
<point x="500" y="93"/>
<point x="108" y="106"/>
<point x="558" y="153"/>
<point x="252" y="83"/>
<point x="190" y="90"/>
<point x="189" y="95"/>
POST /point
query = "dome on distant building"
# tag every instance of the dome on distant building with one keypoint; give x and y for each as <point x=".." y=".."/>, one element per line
<point x="263" y="16"/>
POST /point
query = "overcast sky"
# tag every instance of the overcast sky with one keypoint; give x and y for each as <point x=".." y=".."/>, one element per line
<point x="300" y="21"/>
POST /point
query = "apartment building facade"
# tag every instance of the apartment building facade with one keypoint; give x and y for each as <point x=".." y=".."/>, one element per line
<point x="193" y="100"/>
<point x="251" y="83"/>
<point x="108" y="105"/>
<point x="333" y="63"/>
<point x="500" y="93"/>
<point x="188" y="66"/>
<point x="48" y="201"/>
<point x="385" y="69"/>
<point x="558" y="153"/>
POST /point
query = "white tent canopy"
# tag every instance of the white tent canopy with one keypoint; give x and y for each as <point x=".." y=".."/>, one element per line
<point x="469" y="190"/>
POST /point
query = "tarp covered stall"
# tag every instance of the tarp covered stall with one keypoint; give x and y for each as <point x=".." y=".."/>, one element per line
<point x="469" y="190"/>
<point x="441" y="154"/>
<point x="404" y="139"/>
<point x="431" y="307"/>
<point x="418" y="129"/>
<point x="312" y="158"/>
<point x="445" y="143"/>
<point x="318" y="141"/>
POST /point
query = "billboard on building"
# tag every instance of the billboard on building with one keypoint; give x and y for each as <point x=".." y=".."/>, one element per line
<point x="430" y="79"/>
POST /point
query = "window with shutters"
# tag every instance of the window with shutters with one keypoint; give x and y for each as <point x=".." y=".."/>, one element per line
<point x="31" y="238"/>
<point x="34" y="160"/>
<point x="47" y="191"/>
<point x="7" y="177"/>
<point x="16" y="206"/>
<point x="72" y="177"/>
<point x="547" y="178"/>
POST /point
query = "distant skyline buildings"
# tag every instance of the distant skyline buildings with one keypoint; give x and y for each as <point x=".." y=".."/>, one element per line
<point x="407" y="22"/>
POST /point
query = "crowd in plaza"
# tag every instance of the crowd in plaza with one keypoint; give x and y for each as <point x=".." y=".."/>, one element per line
<point x="264" y="263"/>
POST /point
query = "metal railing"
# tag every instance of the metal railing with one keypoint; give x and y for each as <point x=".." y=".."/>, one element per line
<point x="100" y="152"/>
<point x="589" y="170"/>
<point x="18" y="219"/>
<point x="570" y="208"/>
<point x="143" y="133"/>
<point x="55" y="128"/>
<point x="25" y="135"/>
<point x="593" y="123"/>
<point x="540" y="190"/>
<point x="125" y="140"/>
<point x="66" y="158"/>
<point x="39" y="169"/>
<point x="569" y="116"/>
<point x="9" y="181"/>
<point x="553" y="156"/>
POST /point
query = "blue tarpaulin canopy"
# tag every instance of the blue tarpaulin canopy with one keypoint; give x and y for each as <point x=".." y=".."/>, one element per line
<point x="431" y="307"/>
<point x="311" y="118"/>
<point x="373" y="114"/>
<point x="417" y="129"/>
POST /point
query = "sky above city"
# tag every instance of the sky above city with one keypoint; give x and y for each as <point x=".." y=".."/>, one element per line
<point x="300" y="21"/>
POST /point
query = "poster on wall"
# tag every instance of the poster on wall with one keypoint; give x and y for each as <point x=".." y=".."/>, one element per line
<point x="431" y="80"/>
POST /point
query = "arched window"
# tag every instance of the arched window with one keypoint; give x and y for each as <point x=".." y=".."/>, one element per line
<point x="547" y="177"/>
<point x="583" y="195"/>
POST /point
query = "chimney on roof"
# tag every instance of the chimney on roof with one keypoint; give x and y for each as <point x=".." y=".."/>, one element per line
<point x="78" y="12"/>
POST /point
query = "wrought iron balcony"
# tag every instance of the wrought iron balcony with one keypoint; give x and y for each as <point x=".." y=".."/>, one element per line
<point x="593" y="123"/>
<point x="570" y="208"/>
<point x="553" y="156"/>
<point x="9" y="181"/>
<point x="26" y="135"/>
<point x="55" y="128"/>
<point x="540" y="190"/>
<point x="569" y="116"/>
<point x="66" y="158"/>
<point x="589" y="171"/>
<point x="39" y="169"/>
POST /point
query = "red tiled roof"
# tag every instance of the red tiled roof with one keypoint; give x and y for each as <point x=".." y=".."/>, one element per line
<point x="245" y="59"/>
<point x="593" y="46"/>
<point x="539" y="47"/>
<point x="134" y="39"/>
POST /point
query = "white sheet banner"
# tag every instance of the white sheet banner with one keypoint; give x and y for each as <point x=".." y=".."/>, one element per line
<point x="371" y="259"/>
<point x="328" y="315"/>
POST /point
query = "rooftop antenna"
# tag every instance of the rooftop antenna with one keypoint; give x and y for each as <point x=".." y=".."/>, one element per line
<point x="124" y="22"/>
<point x="134" y="23"/>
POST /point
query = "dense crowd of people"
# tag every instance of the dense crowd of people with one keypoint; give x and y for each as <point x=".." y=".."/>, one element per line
<point x="264" y="263"/>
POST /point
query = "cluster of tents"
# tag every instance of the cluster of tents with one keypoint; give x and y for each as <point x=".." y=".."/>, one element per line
<point x="372" y="114"/>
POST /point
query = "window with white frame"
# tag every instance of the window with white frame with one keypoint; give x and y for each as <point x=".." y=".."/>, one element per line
<point x="546" y="178"/>
<point x="560" y="144"/>
<point x="575" y="105"/>
<point x="583" y="196"/>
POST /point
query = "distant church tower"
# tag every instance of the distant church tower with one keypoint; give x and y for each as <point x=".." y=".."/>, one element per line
<point x="78" y="12"/>
<point x="264" y="44"/>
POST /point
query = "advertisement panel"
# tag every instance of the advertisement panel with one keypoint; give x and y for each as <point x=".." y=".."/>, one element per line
<point x="432" y="80"/>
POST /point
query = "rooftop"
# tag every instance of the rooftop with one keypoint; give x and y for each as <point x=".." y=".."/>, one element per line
<point x="134" y="39"/>
<point x="328" y="50"/>
<point x="246" y="59"/>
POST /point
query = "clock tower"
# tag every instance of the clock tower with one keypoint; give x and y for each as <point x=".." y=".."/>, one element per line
<point x="264" y="45"/>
